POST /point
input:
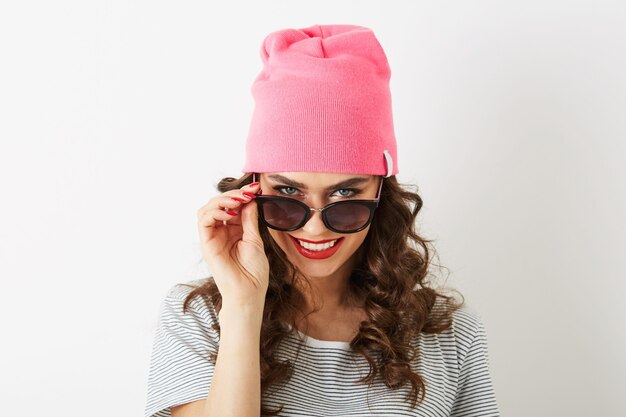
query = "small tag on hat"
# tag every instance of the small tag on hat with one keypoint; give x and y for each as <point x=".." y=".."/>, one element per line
<point x="389" y="160"/>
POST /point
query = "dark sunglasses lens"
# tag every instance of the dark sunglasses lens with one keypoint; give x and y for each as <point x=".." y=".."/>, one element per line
<point x="348" y="216"/>
<point x="283" y="214"/>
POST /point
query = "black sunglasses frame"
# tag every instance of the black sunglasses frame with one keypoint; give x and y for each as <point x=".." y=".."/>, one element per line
<point x="370" y="204"/>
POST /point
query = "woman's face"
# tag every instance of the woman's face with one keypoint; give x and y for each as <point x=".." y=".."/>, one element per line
<point x="316" y="190"/>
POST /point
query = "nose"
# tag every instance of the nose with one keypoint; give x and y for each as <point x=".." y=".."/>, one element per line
<point x="315" y="226"/>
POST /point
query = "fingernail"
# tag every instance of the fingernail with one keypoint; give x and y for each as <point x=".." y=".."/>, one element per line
<point x="254" y="184"/>
<point x="241" y="200"/>
<point x="249" y="195"/>
<point x="232" y="213"/>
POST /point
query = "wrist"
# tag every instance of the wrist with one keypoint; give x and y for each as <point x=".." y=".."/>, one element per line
<point x="241" y="313"/>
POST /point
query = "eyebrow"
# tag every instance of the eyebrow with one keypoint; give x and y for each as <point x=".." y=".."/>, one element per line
<point x="343" y="184"/>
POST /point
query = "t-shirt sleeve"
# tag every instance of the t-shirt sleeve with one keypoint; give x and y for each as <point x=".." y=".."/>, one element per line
<point x="475" y="394"/>
<point x="180" y="366"/>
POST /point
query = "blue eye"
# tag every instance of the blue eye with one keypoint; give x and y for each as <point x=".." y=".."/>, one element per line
<point x="279" y="189"/>
<point x="350" y="190"/>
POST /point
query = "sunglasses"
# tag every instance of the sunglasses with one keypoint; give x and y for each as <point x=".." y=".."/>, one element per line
<point x="287" y="214"/>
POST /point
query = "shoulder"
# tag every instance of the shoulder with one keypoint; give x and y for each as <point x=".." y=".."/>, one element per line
<point x="182" y="289"/>
<point x="469" y="334"/>
<point x="184" y="347"/>
<point x="467" y="323"/>
<point x="199" y="307"/>
<point x="466" y="331"/>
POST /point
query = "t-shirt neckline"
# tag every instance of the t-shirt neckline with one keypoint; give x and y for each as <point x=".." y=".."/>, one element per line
<point x="317" y="343"/>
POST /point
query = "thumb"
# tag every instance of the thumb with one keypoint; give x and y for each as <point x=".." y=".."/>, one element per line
<point x="250" y="223"/>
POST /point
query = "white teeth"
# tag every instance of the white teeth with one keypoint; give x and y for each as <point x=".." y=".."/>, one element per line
<point x="318" y="246"/>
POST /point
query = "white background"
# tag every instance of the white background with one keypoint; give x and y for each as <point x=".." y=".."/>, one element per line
<point x="117" y="119"/>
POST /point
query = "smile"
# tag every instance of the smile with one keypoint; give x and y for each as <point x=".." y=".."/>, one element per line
<point x="317" y="250"/>
<point x="317" y="246"/>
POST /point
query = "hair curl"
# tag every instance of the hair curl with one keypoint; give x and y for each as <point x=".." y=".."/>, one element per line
<point x="391" y="279"/>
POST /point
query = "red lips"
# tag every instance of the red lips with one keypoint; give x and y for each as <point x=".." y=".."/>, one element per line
<point x="316" y="254"/>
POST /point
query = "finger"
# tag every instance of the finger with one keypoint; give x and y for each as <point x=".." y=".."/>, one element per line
<point x="249" y="215"/>
<point x="224" y="200"/>
<point x="250" y="223"/>
<point x="232" y="201"/>
<point x="213" y="219"/>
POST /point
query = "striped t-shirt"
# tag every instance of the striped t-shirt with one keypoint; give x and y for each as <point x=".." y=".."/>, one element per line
<point x="454" y="365"/>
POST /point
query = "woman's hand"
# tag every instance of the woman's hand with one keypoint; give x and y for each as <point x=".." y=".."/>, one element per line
<point x="234" y="251"/>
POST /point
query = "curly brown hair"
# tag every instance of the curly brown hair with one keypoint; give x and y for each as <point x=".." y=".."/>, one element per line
<point x="391" y="279"/>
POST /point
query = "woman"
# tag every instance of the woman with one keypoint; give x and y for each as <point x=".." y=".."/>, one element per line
<point x="318" y="303"/>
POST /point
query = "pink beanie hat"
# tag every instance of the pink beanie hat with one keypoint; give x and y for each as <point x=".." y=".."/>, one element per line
<point x="322" y="104"/>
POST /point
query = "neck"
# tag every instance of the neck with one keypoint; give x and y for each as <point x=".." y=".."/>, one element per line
<point x="329" y="295"/>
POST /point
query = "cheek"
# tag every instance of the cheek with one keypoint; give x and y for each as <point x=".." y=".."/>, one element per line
<point x="357" y="239"/>
<point x="280" y="238"/>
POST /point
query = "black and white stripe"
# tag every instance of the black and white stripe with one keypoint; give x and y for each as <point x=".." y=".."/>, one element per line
<point x="324" y="383"/>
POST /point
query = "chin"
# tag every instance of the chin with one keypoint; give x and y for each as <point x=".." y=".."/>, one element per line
<point x="314" y="269"/>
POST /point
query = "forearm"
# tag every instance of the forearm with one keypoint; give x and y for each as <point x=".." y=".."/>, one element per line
<point x="236" y="384"/>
